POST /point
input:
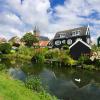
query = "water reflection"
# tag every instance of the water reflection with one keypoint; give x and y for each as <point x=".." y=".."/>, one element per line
<point x="17" y="73"/>
<point x="61" y="81"/>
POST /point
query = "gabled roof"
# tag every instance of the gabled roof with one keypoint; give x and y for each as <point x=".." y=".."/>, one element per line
<point x="43" y="38"/>
<point x="79" y="40"/>
<point x="69" y="32"/>
<point x="2" y="40"/>
<point x="43" y="43"/>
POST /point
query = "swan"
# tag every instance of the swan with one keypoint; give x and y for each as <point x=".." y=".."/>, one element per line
<point x="78" y="80"/>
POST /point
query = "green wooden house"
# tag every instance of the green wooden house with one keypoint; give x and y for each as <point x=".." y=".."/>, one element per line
<point x="98" y="41"/>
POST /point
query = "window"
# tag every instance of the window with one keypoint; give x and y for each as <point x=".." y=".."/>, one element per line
<point x="64" y="41"/>
<point x="78" y="32"/>
<point x="58" y="42"/>
<point x="69" y="41"/>
<point x="74" y="33"/>
<point x="62" y="35"/>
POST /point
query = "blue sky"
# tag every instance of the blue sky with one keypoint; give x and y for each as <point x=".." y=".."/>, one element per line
<point x="20" y="16"/>
<point x="54" y="3"/>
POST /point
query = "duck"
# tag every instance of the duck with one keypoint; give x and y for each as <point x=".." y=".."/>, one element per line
<point x="78" y="80"/>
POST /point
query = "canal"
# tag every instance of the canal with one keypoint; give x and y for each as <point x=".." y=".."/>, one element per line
<point x="63" y="82"/>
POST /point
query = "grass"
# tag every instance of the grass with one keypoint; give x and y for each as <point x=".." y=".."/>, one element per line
<point x="15" y="90"/>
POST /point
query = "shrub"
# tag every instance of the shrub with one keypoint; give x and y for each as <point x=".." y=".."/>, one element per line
<point x="96" y="63"/>
<point x="52" y="54"/>
<point x="34" y="83"/>
<point x="38" y="56"/>
<point x="66" y="59"/>
<point x="2" y="67"/>
<point x="25" y="51"/>
<point x="84" y="60"/>
<point x="5" y="48"/>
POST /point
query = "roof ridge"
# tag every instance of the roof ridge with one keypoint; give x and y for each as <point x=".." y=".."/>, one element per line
<point x="73" y="29"/>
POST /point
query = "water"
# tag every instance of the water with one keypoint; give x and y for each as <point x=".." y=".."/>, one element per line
<point x="65" y="83"/>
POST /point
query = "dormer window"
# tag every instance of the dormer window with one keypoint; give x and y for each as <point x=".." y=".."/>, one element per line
<point x="74" y="33"/>
<point x="62" y="35"/>
<point x="78" y="32"/>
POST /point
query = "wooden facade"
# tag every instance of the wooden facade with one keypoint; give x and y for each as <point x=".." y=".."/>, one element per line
<point x="98" y="41"/>
<point x="77" y="39"/>
<point x="79" y="48"/>
<point x="68" y="37"/>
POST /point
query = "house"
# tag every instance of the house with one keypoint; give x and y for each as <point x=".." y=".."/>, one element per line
<point x="3" y="40"/>
<point x="70" y="36"/>
<point x="15" y="41"/>
<point x="78" y="40"/>
<point x="43" y="40"/>
<point x="79" y="48"/>
<point x="98" y="41"/>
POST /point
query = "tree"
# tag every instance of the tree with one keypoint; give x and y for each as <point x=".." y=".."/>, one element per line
<point x="29" y="39"/>
<point x="5" y="48"/>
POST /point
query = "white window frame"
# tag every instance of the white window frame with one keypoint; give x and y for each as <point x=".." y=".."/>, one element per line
<point x="69" y="41"/>
<point x="73" y="33"/>
<point x="78" y="32"/>
<point x="63" y="41"/>
<point x="62" y="35"/>
<point x="58" y="42"/>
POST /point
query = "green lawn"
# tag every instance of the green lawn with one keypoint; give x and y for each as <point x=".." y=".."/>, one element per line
<point x="15" y="90"/>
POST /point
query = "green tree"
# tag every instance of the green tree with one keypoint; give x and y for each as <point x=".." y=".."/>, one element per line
<point x="29" y="39"/>
<point x="5" y="48"/>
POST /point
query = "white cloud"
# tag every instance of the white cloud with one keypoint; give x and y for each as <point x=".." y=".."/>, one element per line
<point x="16" y="19"/>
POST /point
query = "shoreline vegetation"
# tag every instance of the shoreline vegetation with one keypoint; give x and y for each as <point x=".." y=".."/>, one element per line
<point x="11" y="89"/>
<point x="59" y="57"/>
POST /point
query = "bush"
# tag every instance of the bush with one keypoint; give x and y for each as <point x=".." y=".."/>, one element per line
<point x="5" y="48"/>
<point x="84" y="60"/>
<point x="66" y="59"/>
<point x="38" y="56"/>
<point x="52" y="54"/>
<point x="96" y="63"/>
<point x="34" y="83"/>
<point x="2" y="67"/>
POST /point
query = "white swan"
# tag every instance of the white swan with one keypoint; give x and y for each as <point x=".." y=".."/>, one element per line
<point x="78" y="80"/>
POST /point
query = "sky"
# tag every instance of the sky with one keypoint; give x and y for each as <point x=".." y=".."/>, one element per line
<point x="20" y="16"/>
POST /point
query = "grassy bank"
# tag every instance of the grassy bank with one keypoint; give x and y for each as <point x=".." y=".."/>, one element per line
<point x="15" y="90"/>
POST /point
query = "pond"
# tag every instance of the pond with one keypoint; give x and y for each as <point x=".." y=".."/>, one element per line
<point x="65" y="83"/>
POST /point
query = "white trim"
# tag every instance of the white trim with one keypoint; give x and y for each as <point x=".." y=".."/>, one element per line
<point x="81" y="42"/>
<point x="87" y="30"/>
